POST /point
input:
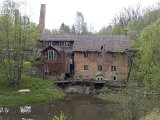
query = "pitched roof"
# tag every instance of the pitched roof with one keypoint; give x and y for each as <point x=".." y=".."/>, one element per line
<point x="112" y="43"/>
<point x="53" y="47"/>
<point x="46" y="37"/>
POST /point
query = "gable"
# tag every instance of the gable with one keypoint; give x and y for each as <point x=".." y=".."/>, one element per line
<point x="55" y="48"/>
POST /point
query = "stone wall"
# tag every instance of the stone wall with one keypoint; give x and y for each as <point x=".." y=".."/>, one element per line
<point x="121" y="63"/>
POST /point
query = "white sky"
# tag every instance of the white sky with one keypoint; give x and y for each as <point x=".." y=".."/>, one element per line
<point x="97" y="13"/>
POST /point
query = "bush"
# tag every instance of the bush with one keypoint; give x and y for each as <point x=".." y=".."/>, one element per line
<point x="61" y="117"/>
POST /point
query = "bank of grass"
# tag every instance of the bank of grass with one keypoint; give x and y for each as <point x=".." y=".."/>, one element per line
<point x="118" y="96"/>
<point x="153" y="115"/>
<point x="112" y="95"/>
<point x="41" y="90"/>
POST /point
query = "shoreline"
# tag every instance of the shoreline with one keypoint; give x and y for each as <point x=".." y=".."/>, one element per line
<point x="41" y="90"/>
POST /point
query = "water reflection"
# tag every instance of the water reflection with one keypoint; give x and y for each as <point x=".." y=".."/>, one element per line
<point x="27" y="119"/>
<point x="4" y="110"/>
<point x="25" y="109"/>
<point x="75" y="107"/>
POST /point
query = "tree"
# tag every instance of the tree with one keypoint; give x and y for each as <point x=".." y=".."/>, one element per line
<point x="126" y="15"/>
<point x="64" y="29"/>
<point x="143" y="86"/>
<point x="135" y="26"/>
<point x="73" y="31"/>
<point x="150" y="51"/>
<point x="48" y="31"/>
<point x="106" y="30"/>
<point x="117" y="29"/>
<point x="16" y="34"/>
<point x="80" y="25"/>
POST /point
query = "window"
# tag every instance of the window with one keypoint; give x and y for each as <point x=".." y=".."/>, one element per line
<point x="114" y="55"/>
<point x="46" y="68"/>
<point x="99" y="67"/>
<point x="53" y="43"/>
<point x="99" y="55"/>
<point x="113" y="68"/>
<point x="48" y="43"/>
<point x="61" y="44"/>
<point x="67" y="44"/>
<point x="86" y="55"/>
<point x="64" y="44"/>
<point x="51" y="54"/>
<point x="85" y="67"/>
<point x="114" y="78"/>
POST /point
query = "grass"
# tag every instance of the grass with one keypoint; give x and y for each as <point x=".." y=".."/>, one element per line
<point x="119" y="97"/>
<point x="40" y="91"/>
<point x="111" y="95"/>
<point x="153" y="115"/>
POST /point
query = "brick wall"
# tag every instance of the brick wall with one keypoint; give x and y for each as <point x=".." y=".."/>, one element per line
<point x="121" y="63"/>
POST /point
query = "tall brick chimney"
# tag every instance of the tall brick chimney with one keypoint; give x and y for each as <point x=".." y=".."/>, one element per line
<point x="41" y="27"/>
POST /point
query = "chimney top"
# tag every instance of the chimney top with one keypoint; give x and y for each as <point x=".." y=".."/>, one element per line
<point x="41" y="26"/>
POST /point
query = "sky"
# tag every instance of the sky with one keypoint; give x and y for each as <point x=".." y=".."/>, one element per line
<point x="97" y="13"/>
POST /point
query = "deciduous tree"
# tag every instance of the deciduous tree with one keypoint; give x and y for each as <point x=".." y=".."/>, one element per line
<point x="16" y="34"/>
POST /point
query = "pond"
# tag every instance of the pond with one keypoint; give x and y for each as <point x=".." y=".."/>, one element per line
<point x="75" y="107"/>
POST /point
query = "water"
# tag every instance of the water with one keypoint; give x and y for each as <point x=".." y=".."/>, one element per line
<point x="75" y="107"/>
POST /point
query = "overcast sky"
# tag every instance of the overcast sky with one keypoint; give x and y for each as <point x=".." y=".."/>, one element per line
<point x="97" y="13"/>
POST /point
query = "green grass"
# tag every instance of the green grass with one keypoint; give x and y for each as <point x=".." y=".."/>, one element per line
<point x="111" y="95"/>
<point x="40" y="91"/>
<point x="119" y="97"/>
<point x="152" y="115"/>
<point x="157" y="118"/>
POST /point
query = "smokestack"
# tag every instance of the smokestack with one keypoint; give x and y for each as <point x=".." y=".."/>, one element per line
<point x="41" y="27"/>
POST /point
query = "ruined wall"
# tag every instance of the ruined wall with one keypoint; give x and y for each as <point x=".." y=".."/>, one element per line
<point x="121" y="63"/>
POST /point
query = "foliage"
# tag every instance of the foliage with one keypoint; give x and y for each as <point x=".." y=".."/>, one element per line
<point x="80" y="27"/>
<point x="80" y="24"/>
<point x="112" y="95"/>
<point x="64" y="29"/>
<point x="106" y="30"/>
<point x="117" y="30"/>
<point x="61" y="117"/>
<point x="127" y="14"/>
<point x="135" y="26"/>
<point x="142" y="90"/>
<point x="17" y="34"/>
<point x="41" y="90"/>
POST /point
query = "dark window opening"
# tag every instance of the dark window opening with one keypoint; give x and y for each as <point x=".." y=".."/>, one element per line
<point x="61" y="44"/>
<point x="51" y="55"/>
<point x="114" y="78"/>
<point x="67" y="44"/>
<point x="86" y="55"/>
<point x="99" y="55"/>
<point x="85" y="67"/>
<point x="64" y="44"/>
<point x="113" y="68"/>
<point x="114" y="55"/>
<point x="99" y="67"/>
